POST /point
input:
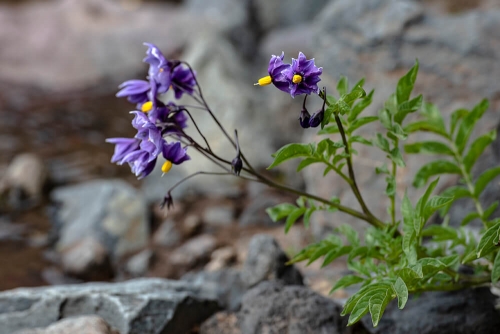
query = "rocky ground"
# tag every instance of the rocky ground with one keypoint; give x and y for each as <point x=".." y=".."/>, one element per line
<point x="215" y="262"/>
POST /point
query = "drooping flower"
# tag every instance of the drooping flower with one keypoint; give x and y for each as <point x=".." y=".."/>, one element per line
<point x="136" y="91"/>
<point x="123" y="146"/>
<point x="304" y="117"/>
<point x="303" y="76"/>
<point x="183" y="81"/>
<point x="159" y="67"/>
<point x="276" y="77"/>
<point x="318" y="116"/>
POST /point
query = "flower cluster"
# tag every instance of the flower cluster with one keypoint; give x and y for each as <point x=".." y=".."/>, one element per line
<point x="155" y="120"/>
<point x="299" y="77"/>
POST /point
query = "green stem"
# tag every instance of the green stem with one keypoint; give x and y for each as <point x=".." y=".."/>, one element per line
<point x="393" y="197"/>
<point x="352" y="177"/>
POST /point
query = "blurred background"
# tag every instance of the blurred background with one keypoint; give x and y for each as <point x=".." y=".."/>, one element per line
<point x="68" y="215"/>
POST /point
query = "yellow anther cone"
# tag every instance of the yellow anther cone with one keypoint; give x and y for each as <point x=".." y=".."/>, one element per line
<point x="264" y="81"/>
<point x="146" y="107"/>
<point x="165" y="168"/>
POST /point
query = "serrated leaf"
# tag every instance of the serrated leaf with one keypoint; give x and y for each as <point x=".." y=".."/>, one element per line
<point x="428" y="147"/>
<point x="398" y="132"/>
<point x="489" y="211"/>
<point x="292" y="218"/>
<point x="280" y="211"/>
<point x="291" y="151"/>
<point x="382" y="143"/>
<point x="335" y="254"/>
<point x="467" y="125"/>
<point x="307" y="216"/>
<point x="485" y="178"/>
<point x="434" y="168"/>
<point x="434" y="204"/>
<point x="406" y="83"/>
<point x="346" y="281"/>
<point x="401" y="292"/>
<point x="489" y="241"/>
<point x="408" y="107"/>
<point x="385" y="118"/>
<point x="469" y="217"/>
<point x="361" y="140"/>
<point x="495" y="271"/>
<point x="427" y="126"/>
<point x="390" y="190"/>
<point x="343" y="86"/>
<point x="456" y="116"/>
<point x="357" y="123"/>
<point x="306" y="162"/>
<point x="396" y="157"/>
<point x="477" y="148"/>
<point x="360" y="106"/>
<point x="331" y="129"/>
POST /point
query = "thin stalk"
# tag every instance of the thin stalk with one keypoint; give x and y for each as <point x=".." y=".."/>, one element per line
<point x="353" y="183"/>
<point x="198" y="129"/>
<point x="393" y="197"/>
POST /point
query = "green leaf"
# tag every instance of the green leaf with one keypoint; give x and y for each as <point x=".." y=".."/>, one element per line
<point x="335" y="254"/>
<point x="456" y="116"/>
<point x="477" y="148"/>
<point x="408" y="107"/>
<point x="385" y="118"/>
<point x="469" y="217"/>
<point x="489" y="241"/>
<point x="357" y="123"/>
<point x="361" y="140"/>
<point x="357" y="93"/>
<point x="489" y="211"/>
<point x="434" y="168"/>
<point x="291" y="151"/>
<point x="401" y="291"/>
<point x="422" y="202"/>
<point x="377" y="305"/>
<point x="330" y="100"/>
<point x="307" y="216"/>
<point x="343" y="86"/>
<point x="406" y="83"/>
<point x="410" y="277"/>
<point x="329" y="130"/>
<point x="391" y="104"/>
<point x="280" y="211"/>
<point x="346" y="281"/>
<point x="398" y="132"/>
<point x="467" y="125"/>
<point x="382" y="143"/>
<point x="409" y="234"/>
<point x="396" y="157"/>
<point x="360" y="106"/>
<point x="390" y="190"/>
<point x="434" y="204"/>
<point x="495" y="271"/>
<point x="381" y="294"/>
<point x="428" y="147"/>
<point x="292" y="218"/>
<point x="350" y="234"/>
<point x="440" y="233"/>
<point x="382" y="169"/>
<point x="428" y="126"/>
<point x="485" y="178"/>
<point x="456" y="192"/>
<point x="306" y="162"/>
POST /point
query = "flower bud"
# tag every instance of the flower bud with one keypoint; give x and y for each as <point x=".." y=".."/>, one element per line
<point x="236" y="165"/>
<point x="316" y="118"/>
<point x="167" y="201"/>
<point x="304" y="118"/>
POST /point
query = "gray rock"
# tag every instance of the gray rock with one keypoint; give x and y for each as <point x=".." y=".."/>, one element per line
<point x="229" y="285"/>
<point x="221" y="258"/>
<point x="142" y="306"/>
<point x="167" y="234"/>
<point x="138" y="264"/>
<point x="218" y="216"/>
<point x="193" y="252"/>
<point x="267" y="261"/>
<point x="221" y="323"/>
<point x="87" y="259"/>
<point x="108" y="212"/>
<point x="88" y="324"/>
<point x="272" y="307"/>
<point x="191" y="225"/>
<point x="460" y="312"/>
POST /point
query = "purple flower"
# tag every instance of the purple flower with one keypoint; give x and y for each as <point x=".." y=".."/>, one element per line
<point x="175" y="153"/>
<point x="183" y="81"/>
<point x="276" y="77"/>
<point x="136" y="91"/>
<point x="303" y="76"/>
<point x="123" y="147"/>
<point x="159" y="67"/>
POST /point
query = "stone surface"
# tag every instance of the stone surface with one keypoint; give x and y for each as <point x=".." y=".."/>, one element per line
<point x="167" y="235"/>
<point x="272" y="307"/>
<point x="460" y="312"/>
<point x="87" y="259"/>
<point x="221" y="258"/>
<point x="193" y="252"/>
<point x="218" y="216"/>
<point x="76" y="325"/>
<point x="109" y="213"/>
<point x="266" y="261"/>
<point x="24" y="179"/>
<point x="138" y="264"/>
<point x="142" y="306"/>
